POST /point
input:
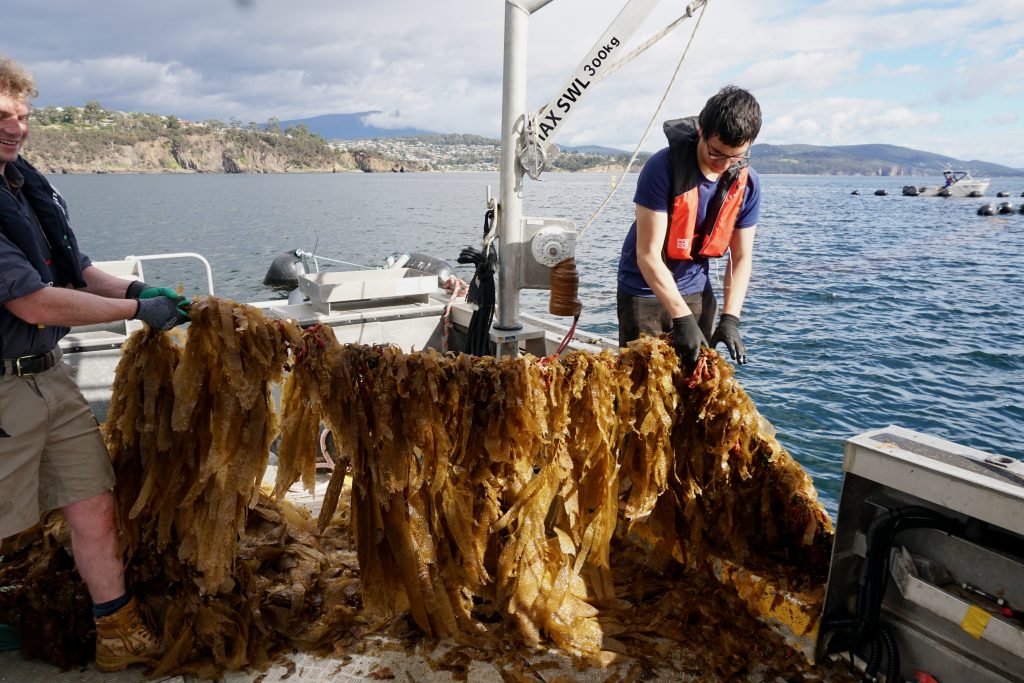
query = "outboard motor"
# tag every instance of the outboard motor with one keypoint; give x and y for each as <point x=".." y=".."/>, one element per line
<point x="910" y="191"/>
<point x="881" y="193"/>
<point x="987" y="210"/>
<point x="396" y="260"/>
<point x="1006" y="207"/>
<point x="284" y="271"/>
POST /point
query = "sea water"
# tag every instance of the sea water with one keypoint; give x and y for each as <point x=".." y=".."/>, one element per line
<point x="863" y="310"/>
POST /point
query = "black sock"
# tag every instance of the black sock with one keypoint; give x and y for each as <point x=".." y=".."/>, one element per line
<point x="107" y="608"/>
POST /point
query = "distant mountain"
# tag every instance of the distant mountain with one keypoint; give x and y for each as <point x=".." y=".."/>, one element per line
<point x="881" y="160"/>
<point x="349" y="127"/>
<point x="595" y="149"/>
<point x="73" y="139"/>
<point x="878" y="160"/>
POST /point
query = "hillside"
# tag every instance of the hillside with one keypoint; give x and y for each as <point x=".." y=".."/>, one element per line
<point x="880" y="160"/>
<point x="93" y="140"/>
<point x="472" y="152"/>
<point x="458" y="152"/>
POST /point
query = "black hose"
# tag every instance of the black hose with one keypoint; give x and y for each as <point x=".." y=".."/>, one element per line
<point x="481" y="292"/>
<point x="892" y="653"/>
<point x="874" y="572"/>
<point x="837" y="630"/>
<point x="862" y="630"/>
<point x="873" y="662"/>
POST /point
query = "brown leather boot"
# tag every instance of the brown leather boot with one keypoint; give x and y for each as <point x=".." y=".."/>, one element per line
<point x="122" y="638"/>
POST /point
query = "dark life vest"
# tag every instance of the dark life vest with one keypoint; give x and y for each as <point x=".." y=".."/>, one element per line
<point x="683" y="241"/>
<point x="65" y="267"/>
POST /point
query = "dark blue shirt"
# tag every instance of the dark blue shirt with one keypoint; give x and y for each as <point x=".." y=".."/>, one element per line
<point x="654" y="192"/>
<point x="19" y="278"/>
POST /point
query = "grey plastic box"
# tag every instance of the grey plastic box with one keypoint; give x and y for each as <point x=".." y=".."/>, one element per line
<point x="324" y="289"/>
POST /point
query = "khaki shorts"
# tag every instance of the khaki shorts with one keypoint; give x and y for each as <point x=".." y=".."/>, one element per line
<point x="53" y="453"/>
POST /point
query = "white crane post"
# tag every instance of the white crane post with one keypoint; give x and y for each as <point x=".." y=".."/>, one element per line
<point x="513" y="125"/>
<point x="510" y="198"/>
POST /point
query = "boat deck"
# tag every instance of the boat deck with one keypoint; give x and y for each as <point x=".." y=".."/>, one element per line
<point x="391" y="658"/>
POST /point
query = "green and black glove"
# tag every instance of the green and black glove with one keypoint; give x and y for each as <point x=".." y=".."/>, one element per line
<point x="687" y="339"/>
<point x="162" y="312"/>
<point x="728" y="331"/>
<point x="138" y="289"/>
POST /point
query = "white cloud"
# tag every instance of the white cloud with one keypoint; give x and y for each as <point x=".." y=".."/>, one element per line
<point x="845" y="121"/>
<point x="841" y="72"/>
<point x="999" y="77"/>
<point x="881" y="71"/>
<point x="803" y="70"/>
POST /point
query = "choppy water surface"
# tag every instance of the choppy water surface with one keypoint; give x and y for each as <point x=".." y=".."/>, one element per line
<point x="864" y="311"/>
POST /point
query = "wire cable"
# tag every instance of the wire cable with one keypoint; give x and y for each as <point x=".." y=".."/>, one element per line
<point x="657" y="111"/>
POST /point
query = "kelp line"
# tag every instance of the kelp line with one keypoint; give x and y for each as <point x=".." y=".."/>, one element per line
<point x="487" y="497"/>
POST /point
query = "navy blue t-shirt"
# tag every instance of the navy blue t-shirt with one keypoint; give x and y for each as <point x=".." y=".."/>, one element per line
<point x="19" y="278"/>
<point x="654" y="192"/>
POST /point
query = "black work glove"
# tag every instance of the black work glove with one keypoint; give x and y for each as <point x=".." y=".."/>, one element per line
<point x="687" y="338"/>
<point x="728" y="331"/>
<point x="162" y="312"/>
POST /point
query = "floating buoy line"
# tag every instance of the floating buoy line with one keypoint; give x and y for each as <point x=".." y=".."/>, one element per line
<point x="1002" y="208"/>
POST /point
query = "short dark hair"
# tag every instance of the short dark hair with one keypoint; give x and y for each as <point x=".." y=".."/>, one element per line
<point x="733" y="115"/>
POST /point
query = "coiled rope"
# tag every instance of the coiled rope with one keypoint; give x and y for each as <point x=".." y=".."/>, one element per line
<point x="457" y="288"/>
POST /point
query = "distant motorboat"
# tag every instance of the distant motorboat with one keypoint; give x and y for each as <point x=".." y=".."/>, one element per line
<point x="958" y="184"/>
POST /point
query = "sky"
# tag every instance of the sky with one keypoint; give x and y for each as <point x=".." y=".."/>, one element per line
<point x="943" y="76"/>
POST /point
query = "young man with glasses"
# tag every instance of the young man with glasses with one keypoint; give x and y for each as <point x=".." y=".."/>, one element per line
<point x="695" y="200"/>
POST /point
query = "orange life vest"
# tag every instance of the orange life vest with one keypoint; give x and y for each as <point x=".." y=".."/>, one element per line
<point x="683" y="242"/>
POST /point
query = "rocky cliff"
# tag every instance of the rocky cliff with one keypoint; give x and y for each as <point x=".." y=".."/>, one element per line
<point x="61" y="151"/>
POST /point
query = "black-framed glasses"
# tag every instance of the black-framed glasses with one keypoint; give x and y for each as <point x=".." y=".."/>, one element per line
<point x="718" y="156"/>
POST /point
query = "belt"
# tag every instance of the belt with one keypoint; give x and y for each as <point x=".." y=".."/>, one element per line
<point x="29" y="365"/>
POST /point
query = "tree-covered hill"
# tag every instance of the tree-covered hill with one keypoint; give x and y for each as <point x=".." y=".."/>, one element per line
<point x="93" y="139"/>
<point x="880" y="160"/>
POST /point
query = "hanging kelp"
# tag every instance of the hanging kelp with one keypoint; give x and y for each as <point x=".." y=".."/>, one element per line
<point x="189" y="467"/>
<point x="307" y="390"/>
<point x="203" y="432"/>
<point x="554" y="569"/>
<point x="499" y="483"/>
<point x="584" y="501"/>
<point x="189" y="432"/>
<point x="151" y="481"/>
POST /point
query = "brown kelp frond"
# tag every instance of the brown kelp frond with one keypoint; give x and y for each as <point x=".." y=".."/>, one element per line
<point x="480" y="497"/>
<point x="140" y="438"/>
<point x="234" y="355"/>
<point x="310" y="387"/>
<point x="557" y="450"/>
